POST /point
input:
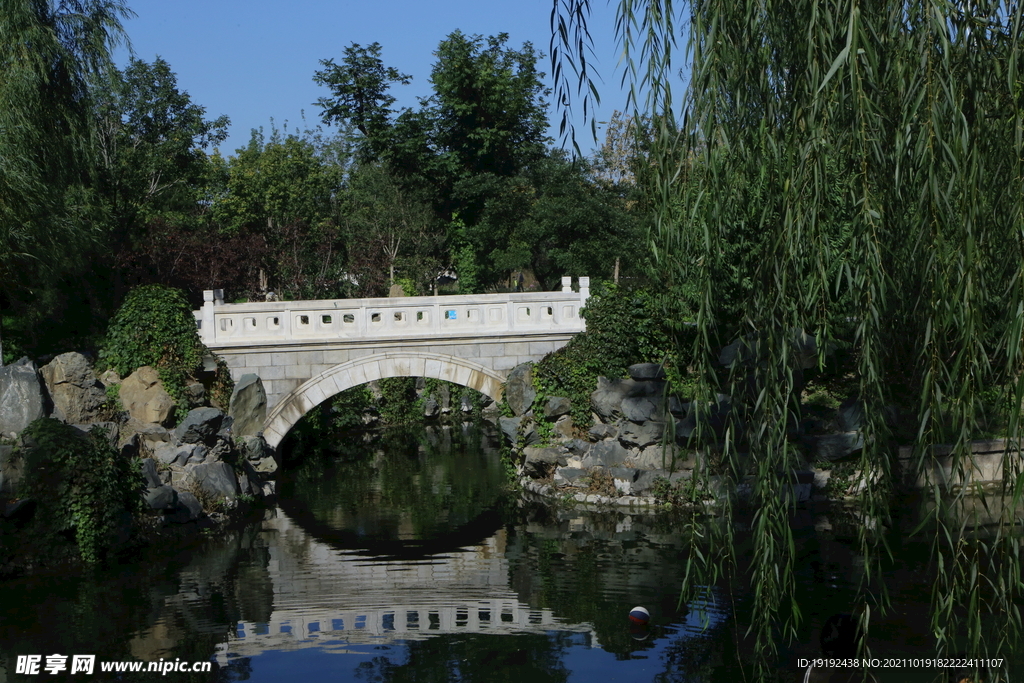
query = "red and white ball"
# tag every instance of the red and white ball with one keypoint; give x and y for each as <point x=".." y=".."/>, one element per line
<point x="639" y="615"/>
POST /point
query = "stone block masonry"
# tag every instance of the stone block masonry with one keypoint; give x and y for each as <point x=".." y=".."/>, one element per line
<point x="307" y="351"/>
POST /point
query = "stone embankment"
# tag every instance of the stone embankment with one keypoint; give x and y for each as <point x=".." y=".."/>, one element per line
<point x="195" y="472"/>
<point x="630" y="457"/>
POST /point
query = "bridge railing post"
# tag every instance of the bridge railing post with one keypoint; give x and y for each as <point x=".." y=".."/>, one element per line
<point x="584" y="289"/>
<point x="207" y="327"/>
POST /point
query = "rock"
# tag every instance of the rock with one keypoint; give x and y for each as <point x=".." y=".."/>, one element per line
<point x="143" y="396"/>
<point x="510" y="428"/>
<point x="257" y="452"/>
<point x="147" y="435"/>
<point x="161" y="498"/>
<point x="623" y="478"/>
<point x="77" y="395"/>
<point x="606" y="454"/>
<point x="557" y="406"/>
<point x="174" y="453"/>
<point x="643" y="408"/>
<point x="602" y="431"/>
<point x="151" y="474"/>
<point x="248" y="405"/>
<point x="216" y="479"/>
<point x="569" y="476"/>
<point x="646" y="479"/>
<point x="646" y="371"/>
<point x="199" y="426"/>
<point x="200" y="454"/>
<point x="431" y="408"/>
<point x="606" y="400"/>
<point x="22" y="400"/>
<point x="189" y="509"/>
<point x="578" y="446"/>
<point x="850" y="415"/>
<point x="540" y="462"/>
<point x="109" y="378"/>
<point x="641" y="435"/>
<point x="657" y="457"/>
<point x="519" y="391"/>
<point x="196" y="393"/>
<point x="563" y="427"/>
<point x="833" y="446"/>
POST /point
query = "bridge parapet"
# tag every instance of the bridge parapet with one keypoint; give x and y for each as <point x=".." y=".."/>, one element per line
<point x="422" y="317"/>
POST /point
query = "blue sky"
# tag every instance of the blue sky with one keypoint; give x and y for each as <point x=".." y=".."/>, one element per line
<point x="254" y="60"/>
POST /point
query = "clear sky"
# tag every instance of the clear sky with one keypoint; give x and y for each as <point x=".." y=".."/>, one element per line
<point x="254" y="60"/>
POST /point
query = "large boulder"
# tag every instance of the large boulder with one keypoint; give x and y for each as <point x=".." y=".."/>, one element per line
<point x="161" y="498"/>
<point x="143" y="396"/>
<point x="556" y="406"/>
<point x="646" y="371"/>
<point x="519" y="391"/>
<point x="605" y="454"/>
<point x="78" y="396"/>
<point x="216" y="479"/>
<point x="22" y="400"/>
<point x="200" y="426"/>
<point x="248" y="405"/>
<point x="188" y="509"/>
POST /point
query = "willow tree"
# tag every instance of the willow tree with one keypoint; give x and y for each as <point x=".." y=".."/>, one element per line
<point x="869" y="152"/>
<point x="52" y="53"/>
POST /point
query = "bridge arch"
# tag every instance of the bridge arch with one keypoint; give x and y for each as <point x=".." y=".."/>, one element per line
<point x="295" y="404"/>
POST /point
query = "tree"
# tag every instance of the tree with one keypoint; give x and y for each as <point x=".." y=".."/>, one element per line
<point x="285" y="190"/>
<point x="359" y="88"/>
<point x="152" y="143"/>
<point x="875" y="151"/>
<point x="50" y="55"/>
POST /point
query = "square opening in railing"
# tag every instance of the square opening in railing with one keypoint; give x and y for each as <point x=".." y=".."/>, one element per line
<point x="567" y="312"/>
<point x="348" y="319"/>
<point x="249" y="323"/>
<point x="303" y="319"/>
<point x="495" y="314"/>
<point x="375" y="317"/>
<point x="226" y="324"/>
<point x="399" y="316"/>
<point x="451" y="315"/>
<point x="522" y="313"/>
<point x="547" y="312"/>
<point x="273" y="323"/>
<point x="473" y="314"/>
<point x="326" y="320"/>
<point x="421" y="316"/>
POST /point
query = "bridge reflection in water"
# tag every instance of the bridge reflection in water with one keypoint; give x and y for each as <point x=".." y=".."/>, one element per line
<point x="331" y="599"/>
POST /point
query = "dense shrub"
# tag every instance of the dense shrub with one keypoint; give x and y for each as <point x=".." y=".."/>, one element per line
<point x="81" y="484"/>
<point x="624" y="327"/>
<point x="155" y="326"/>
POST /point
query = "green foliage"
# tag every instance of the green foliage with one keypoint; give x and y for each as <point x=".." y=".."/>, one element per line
<point x="399" y="403"/>
<point x="349" y="406"/>
<point x="623" y="327"/>
<point x="81" y="484"/>
<point x="155" y="326"/>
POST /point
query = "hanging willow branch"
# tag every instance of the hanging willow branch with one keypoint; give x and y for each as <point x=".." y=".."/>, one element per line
<point x="859" y="164"/>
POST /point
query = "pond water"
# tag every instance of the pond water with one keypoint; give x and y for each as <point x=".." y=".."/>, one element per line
<point x="402" y="559"/>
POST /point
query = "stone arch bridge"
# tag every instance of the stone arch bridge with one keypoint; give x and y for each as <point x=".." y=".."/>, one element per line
<point x="307" y="351"/>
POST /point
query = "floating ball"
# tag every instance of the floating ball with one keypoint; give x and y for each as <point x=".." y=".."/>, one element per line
<point x="639" y="615"/>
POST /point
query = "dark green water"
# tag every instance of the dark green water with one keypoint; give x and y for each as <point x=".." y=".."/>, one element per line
<point x="401" y="559"/>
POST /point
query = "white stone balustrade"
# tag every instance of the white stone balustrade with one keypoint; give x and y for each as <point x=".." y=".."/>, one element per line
<point x="307" y="351"/>
<point x="414" y="317"/>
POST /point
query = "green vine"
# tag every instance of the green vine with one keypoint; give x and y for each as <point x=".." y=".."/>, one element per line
<point x="80" y="483"/>
<point x="155" y="326"/>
